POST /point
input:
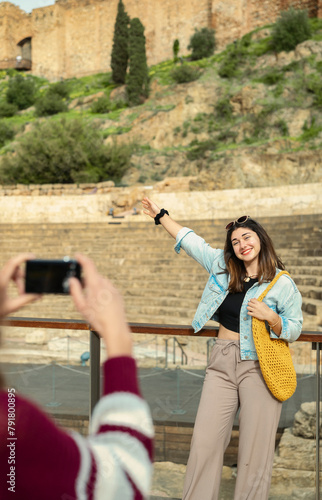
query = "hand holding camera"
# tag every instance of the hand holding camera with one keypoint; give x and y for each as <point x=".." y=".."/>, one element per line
<point x="98" y="301"/>
<point x="12" y="271"/>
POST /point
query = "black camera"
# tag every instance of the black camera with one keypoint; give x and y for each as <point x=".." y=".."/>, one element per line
<point x="51" y="276"/>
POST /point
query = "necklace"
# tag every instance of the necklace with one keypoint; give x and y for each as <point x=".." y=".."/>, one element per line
<point x="248" y="278"/>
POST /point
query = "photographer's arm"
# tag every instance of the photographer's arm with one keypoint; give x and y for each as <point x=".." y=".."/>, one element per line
<point x="127" y="457"/>
<point x="151" y="209"/>
<point x="116" y="457"/>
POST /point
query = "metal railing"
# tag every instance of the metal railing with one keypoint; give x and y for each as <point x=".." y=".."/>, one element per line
<point x="184" y="357"/>
<point x="22" y="64"/>
<point x="171" y="330"/>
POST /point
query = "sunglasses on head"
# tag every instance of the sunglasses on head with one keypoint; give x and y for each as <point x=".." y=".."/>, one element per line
<point x="240" y="220"/>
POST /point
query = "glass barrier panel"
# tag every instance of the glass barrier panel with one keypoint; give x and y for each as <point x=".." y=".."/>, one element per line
<point x="50" y="367"/>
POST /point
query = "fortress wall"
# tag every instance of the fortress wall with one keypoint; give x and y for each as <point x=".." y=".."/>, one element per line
<point x="233" y="19"/>
<point x="74" y="37"/>
<point x="48" y="42"/>
<point x="166" y="21"/>
<point x="82" y="53"/>
<point x="15" y="25"/>
<point x="77" y="38"/>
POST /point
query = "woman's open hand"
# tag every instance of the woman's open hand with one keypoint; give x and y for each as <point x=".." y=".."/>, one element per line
<point x="150" y="208"/>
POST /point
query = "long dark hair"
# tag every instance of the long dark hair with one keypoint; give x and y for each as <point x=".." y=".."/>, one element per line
<point x="268" y="261"/>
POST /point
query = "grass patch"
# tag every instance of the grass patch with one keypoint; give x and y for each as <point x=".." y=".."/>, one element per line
<point x="311" y="131"/>
<point x="115" y="131"/>
<point x="199" y="149"/>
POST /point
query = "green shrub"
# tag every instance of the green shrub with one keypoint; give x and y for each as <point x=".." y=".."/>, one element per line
<point x="223" y="108"/>
<point x="272" y="77"/>
<point x="6" y="133"/>
<point x="21" y="91"/>
<point x="142" y="179"/>
<point x="227" y="135"/>
<point x="138" y="79"/>
<point x="120" y="49"/>
<point x="101" y="105"/>
<point x="74" y="151"/>
<point x="7" y="110"/>
<point x="259" y="123"/>
<point x="281" y="125"/>
<point x="293" y="66"/>
<point x="60" y="89"/>
<point x="118" y="104"/>
<point x="202" y="43"/>
<point x="184" y="73"/>
<point x="198" y="149"/>
<point x="105" y="80"/>
<point x="314" y="86"/>
<point x="290" y="29"/>
<point x="246" y="40"/>
<point x="50" y="104"/>
<point x="310" y="131"/>
<point x="11" y="72"/>
<point x="234" y="57"/>
<point x="175" y="49"/>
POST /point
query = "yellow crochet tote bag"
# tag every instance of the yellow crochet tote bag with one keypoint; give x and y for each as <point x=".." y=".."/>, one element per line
<point x="274" y="356"/>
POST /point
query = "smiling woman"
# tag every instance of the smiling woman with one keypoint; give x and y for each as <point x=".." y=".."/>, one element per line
<point x="249" y="251"/>
<point x="237" y="277"/>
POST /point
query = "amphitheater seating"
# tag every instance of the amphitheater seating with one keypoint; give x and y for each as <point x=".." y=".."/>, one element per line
<point x="160" y="286"/>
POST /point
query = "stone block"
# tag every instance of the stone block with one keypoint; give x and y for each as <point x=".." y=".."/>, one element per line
<point x="39" y="337"/>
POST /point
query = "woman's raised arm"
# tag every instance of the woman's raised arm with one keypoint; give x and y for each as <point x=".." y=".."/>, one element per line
<point x="151" y="209"/>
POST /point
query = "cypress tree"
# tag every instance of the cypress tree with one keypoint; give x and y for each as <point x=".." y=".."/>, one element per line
<point x="120" y="54"/>
<point x="137" y="87"/>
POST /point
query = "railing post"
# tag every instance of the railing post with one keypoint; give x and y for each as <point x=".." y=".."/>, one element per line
<point x="317" y="345"/>
<point x="166" y="354"/>
<point x="95" y="370"/>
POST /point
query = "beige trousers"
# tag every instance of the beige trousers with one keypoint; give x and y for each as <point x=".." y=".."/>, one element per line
<point x="231" y="384"/>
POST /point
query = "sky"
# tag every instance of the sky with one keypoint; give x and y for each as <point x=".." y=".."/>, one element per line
<point x="29" y="5"/>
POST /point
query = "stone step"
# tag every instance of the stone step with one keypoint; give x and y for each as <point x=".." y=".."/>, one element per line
<point x="312" y="306"/>
<point x="303" y="280"/>
<point x="162" y="311"/>
<point x="310" y="261"/>
<point x="311" y="322"/>
<point x="162" y="301"/>
<point x="312" y="292"/>
<point x="171" y="293"/>
<point x="304" y="270"/>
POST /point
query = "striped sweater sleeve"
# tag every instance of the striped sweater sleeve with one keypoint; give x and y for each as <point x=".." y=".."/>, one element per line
<point x="117" y="456"/>
<point x="113" y="463"/>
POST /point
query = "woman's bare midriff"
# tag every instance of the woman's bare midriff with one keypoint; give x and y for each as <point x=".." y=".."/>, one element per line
<point x="226" y="334"/>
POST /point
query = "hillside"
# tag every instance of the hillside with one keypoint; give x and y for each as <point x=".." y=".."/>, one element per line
<point x="258" y="124"/>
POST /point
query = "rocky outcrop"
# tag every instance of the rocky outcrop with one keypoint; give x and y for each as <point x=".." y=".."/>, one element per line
<point x="227" y="152"/>
<point x="295" y="460"/>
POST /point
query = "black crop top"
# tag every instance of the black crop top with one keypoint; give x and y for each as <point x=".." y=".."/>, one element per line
<point x="229" y="311"/>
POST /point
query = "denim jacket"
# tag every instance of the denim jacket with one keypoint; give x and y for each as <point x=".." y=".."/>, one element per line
<point x="284" y="298"/>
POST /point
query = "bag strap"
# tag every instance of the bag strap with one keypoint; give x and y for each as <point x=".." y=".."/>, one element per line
<point x="271" y="284"/>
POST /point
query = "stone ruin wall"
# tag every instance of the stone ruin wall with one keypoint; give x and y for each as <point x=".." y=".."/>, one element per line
<point x="15" y="25"/>
<point x="232" y="19"/>
<point x="74" y="37"/>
